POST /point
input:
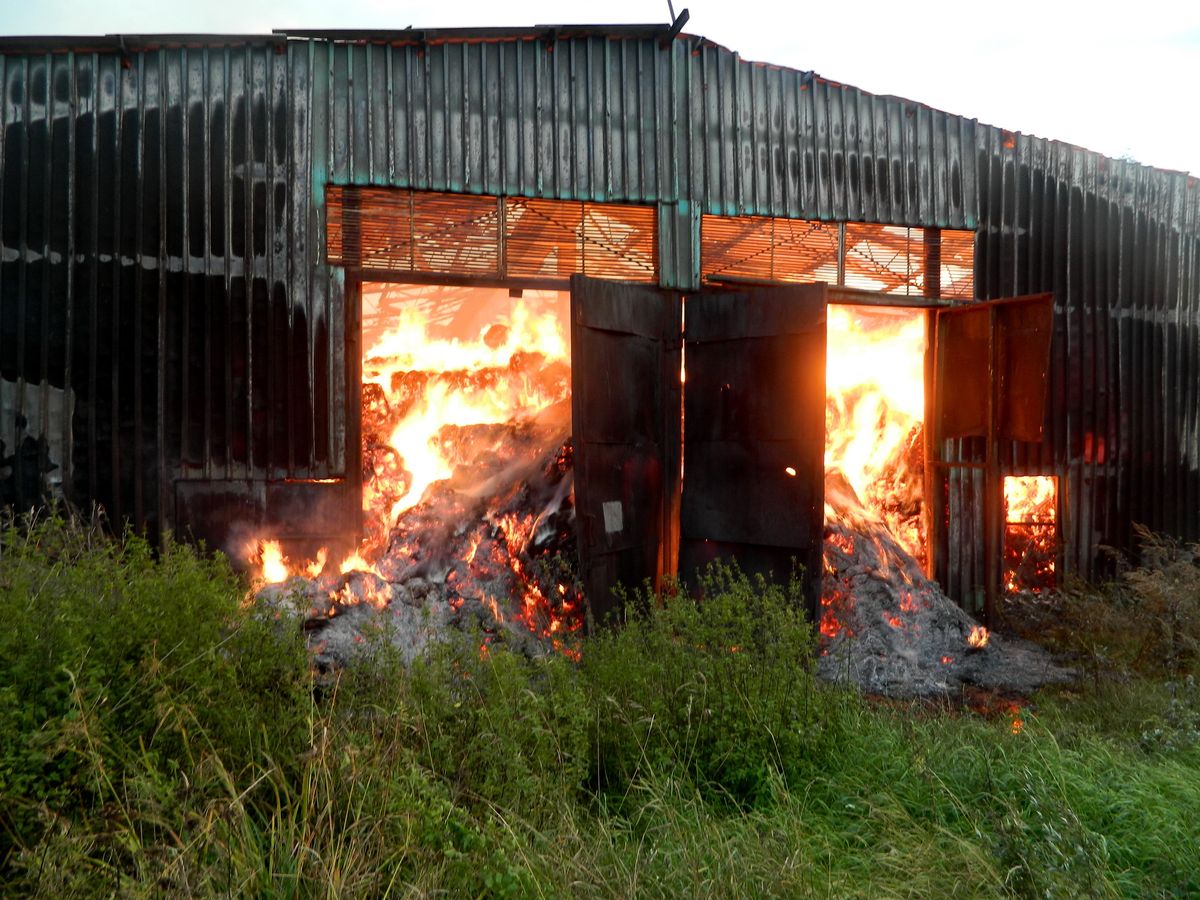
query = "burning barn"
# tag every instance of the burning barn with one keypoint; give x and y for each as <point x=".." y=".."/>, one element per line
<point x="470" y="306"/>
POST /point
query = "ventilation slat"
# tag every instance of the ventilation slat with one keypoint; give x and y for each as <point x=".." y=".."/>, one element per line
<point x="890" y="259"/>
<point x="392" y="230"/>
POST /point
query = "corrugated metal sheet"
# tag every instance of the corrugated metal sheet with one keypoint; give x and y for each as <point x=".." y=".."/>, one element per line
<point x="1119" y="245"/>
<point x="163" y="221"/>
<point x="156" y="264"/>
<point x="766" y="140"/>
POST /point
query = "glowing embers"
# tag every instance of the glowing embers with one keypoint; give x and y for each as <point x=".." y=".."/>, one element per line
<point x="875" y="405"/>
<point x="1030" y="533"/>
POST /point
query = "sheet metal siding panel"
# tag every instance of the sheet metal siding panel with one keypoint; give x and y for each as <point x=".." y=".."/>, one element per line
<point x="153" y="266"/>
<point x="583" y="119"/>
<point x="1116" y="241"/>
<point x="781" y="142"/>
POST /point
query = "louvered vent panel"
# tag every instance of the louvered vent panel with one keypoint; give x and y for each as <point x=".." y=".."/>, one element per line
<point x="392" y="230"/>
<point x="769" y="248"/>
<point x="958" y="264"/>
<point x="885" y="258"/>
<point x="805" y="251"/>
<point x="889" y="259"/>
<point x="556" y="238"/>
<point x="409" y="231"/>
<point x="456" y="233"/>
<point x="542" y="237"/>
<point x="619" y="241"/>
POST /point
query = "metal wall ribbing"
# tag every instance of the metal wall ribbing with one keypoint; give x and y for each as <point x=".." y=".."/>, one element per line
<point x="162" y="229"/>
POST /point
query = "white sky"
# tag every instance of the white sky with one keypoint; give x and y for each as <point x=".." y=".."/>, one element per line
<point x="1119" y="78"/>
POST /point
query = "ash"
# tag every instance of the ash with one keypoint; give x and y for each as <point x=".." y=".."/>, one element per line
<point x="483" y="553"/>
<point x="887" y="629"/>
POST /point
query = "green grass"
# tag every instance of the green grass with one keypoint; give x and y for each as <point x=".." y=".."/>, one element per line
<point x="158" y="737"/>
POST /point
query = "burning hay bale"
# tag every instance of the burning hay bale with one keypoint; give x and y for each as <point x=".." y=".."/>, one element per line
<point x="484" y="555"/>
<point x="467" y="489"/>
<point x="887" y="629"/>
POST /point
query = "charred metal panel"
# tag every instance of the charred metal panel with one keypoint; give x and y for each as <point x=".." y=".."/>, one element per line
<point x="304" y="516"/>
<point x="754" y="432"/>
<point x="1023" y="329"/>
<point x="1118" y="243"/>
<point x="767" y="140"/>
<point x="964" y="377"/>
<point x="154" y="220"/>
<point x="625" y="425"/>
<point x="992" y="361"/>
<point x="989" y="389"/>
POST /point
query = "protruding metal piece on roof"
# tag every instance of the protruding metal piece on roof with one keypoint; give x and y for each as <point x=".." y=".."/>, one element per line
<point x="676" y="26"/>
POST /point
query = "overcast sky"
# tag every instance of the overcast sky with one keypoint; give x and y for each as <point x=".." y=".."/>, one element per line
<point x="1120" y="78"/>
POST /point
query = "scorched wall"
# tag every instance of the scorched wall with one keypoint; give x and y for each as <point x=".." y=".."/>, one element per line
<point x="170" y="330"/>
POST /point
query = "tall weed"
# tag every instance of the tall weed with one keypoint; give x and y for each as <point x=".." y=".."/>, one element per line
<point x="719" y="691"/>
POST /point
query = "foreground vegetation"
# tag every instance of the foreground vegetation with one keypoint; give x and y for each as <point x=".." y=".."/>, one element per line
<point x="157" y="737"/>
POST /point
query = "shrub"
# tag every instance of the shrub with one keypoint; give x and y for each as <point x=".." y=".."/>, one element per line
<point x="719" y="691"/>
<point x="1146" y="621"/>
<point x="114" y="661"/>
<point x="499" y="728"/>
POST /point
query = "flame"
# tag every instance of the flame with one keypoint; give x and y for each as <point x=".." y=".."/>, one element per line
<point x="1030" y="532"/>
<point x="874" y="409"/>
<point x="1030" y="498"/>
<point x="274" y="563"/>
<point x="978" y="637"/>
<point x="1017" y="724"/>
<point x="355" y="563"/>
<point x="447" y="381"/>
<point x="875" y="404"/>
<point x="461" y="392"/>
<point x="317" y="566"/>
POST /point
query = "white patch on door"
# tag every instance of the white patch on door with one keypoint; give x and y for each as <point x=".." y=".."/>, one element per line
<point x="614" y="517"/>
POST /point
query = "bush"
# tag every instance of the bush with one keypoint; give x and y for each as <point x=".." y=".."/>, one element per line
<point x="1147" y="621"/>
<point x="720" y="691"/>
<point x="498" y="728"/>
<point x="158" y="737"/>
<point x="116" y="664"/>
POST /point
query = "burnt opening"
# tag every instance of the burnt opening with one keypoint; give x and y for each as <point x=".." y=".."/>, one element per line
<point x="875" y="416"/>
<point x="1030" y="534"/>
<point x="467" y="478"/>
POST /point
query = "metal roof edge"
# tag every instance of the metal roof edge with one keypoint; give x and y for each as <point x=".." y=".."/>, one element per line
<point x="127" y="43"/>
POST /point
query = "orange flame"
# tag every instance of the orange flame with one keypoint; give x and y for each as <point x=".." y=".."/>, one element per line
<point x="875" y="404"/>
<point x="317" y="566"/>
<point x="273" y="562"/>
<point x="355" y="563"/>
<point x="1030" y="532"/>
<point x="1030" y="498"/>
<point x="500" y="393"/>
<point x="978" y="637"/>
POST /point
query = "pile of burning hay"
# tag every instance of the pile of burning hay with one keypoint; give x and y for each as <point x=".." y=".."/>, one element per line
<point x="887" y="629"/>
<point x="467" y="489"/>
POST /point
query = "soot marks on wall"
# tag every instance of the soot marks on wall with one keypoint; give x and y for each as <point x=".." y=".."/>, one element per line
<point x="162" y="223"/>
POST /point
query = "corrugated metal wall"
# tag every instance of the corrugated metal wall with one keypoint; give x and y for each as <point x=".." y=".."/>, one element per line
<point x="161" y="263"/>
<point x="1119" y="245"/>
<point x="163" y="224"/>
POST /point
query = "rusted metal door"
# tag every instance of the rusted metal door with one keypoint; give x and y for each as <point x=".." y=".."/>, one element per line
<point x="989" y="386"/>
<point x="625" y="403"/>
<point x="754" y="432"/>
